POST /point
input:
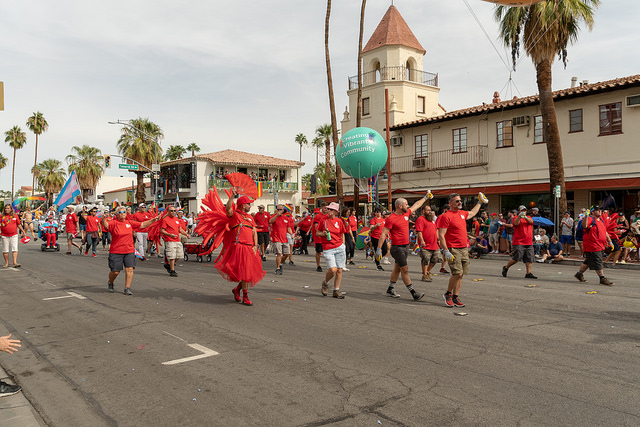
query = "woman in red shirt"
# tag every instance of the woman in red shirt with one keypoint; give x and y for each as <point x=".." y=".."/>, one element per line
<point x="332" y="230"/>
<point x="9" y="225"/>
<point x="93" y="229"/>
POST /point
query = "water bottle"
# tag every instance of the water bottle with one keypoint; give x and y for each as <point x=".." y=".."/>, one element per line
<point x="328" y="236"/>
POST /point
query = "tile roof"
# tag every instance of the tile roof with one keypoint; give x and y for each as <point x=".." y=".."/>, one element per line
<point x="574" y="92"/>
<point x="393" y="30"/>
<point x="234" y="157"/>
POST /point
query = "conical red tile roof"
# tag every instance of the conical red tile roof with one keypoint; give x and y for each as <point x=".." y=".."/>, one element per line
<point x="393" y="30"/>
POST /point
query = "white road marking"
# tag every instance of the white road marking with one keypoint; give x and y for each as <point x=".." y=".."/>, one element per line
<point x="71" y="295"/>
<point x="206" y="352"/>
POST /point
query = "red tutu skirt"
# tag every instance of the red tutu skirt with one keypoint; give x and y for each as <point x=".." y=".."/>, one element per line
<point x="240" y="263"/>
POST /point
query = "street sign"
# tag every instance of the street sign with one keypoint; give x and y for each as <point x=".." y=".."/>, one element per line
<point x="557" y="191"/>
<point x="129" y="167"/>
<point x="155" y="167"/>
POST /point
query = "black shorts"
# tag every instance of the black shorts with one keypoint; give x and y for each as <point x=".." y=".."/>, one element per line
<point x="594" y="260"/>
<point x="263" y="237"/>
<point x="118" y="261"/>
<point x="523" y="253"/>
<point x="319" y="248"/>
<point x="400" y="254"/>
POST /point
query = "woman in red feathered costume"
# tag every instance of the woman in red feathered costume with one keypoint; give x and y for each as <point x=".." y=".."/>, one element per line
<point x="233" y="226"/>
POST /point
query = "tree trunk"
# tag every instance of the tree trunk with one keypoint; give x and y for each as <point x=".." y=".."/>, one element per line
<point x="13" y="175"/>
<point x="35" y="162"/>
<point x="140" y="193"/>
<point x="551" y="134"/>
<point x="356" y="181"/>
<point x="332" y="106"/>
<point x="327" y="158"/>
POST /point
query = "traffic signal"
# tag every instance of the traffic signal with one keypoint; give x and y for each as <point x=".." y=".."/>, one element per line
<point x="159" y="194"/>
<point x="332" y="186"/>
<point x="314" y="184"/>
<point x="107" y="161"/>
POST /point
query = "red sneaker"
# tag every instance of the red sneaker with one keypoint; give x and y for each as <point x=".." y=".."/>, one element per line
<point x="236" y="293"/>
<point x="457" y="303"/>
<point x="448" y="300"/>
<point x="245" y="299"/>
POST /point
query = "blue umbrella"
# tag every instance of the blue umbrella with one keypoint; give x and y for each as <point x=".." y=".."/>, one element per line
<point x="538" y="220"/>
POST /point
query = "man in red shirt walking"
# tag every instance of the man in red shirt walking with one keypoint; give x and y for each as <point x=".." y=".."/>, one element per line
<point x="262" y="223"/>
<point x="171" y="230"/>
<point x="595" y="240"/>
<point x="376" y="225"/>
<point x="93" y="230"/>
<point x="141" y="236"/>
<point x="280" y="226"/>
<point x="397" y="226"/>
<point x="428" y="241"/>
<point x="319" y="216"/>
<point x="452" y="235"/>
<point x="71" y="228"/>
<point x="522" y="245"/>
<point x="304" y="225"/>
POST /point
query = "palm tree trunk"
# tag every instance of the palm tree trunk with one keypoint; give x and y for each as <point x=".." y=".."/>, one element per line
<point x="551" y="133"/>
<point x="356" y="181"/>
<point x="327" y="158"/>
<point x="332" y="105"/>
<point x="140" y="193"/>
<point x="13" y="174"/>
<point x="35" y="162"/>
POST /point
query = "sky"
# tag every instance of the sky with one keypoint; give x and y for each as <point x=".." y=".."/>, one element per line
<point x="248" y="75"/>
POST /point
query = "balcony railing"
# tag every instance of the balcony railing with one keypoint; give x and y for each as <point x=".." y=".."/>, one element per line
<point x="399" y="73"/>
<point x="269" y="186"/>
<point x="476" y="155"/>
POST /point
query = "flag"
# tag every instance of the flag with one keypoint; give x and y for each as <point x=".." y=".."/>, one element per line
<point x="69" y="192"/>
<point x="115" y="204"/>
<point x="259" y="184"/>
<point x="288" y="207"/>
<point x="177" y="201"/>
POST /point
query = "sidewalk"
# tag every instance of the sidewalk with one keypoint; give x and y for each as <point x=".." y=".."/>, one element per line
<point x="570" y="261"/>
<point x="16" y="410"/>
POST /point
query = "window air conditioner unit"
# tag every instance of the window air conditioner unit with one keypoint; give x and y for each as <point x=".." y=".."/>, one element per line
<point x="419" y="163"/>
<point x="521" y="121"/>
<point x="396" y="141"/>
<point x="633" y="101"/>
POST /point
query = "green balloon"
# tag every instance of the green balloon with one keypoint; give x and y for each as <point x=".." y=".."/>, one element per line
<point x="362" y="152"/>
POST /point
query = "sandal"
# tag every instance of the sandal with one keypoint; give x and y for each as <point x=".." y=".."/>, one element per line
<point x="5" y="266"/>
<point x="17" y="266"/>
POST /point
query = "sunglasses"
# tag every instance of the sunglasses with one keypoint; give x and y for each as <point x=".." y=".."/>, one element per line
<point x="280" y="209"/>
<point x="121" y="212"/>
<point x="172" y="210"/>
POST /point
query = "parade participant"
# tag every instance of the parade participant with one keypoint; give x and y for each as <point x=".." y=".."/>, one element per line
<point x="93" y="236"/>
<point x="290" y="235"/>
<point x="262" y="223"/>
<point x="185" y="225"/>
<point x="122" y="250"/>
<point x="82" y="223"/>
<point x="445" y="209"/>
<point x="106" y="236"/>
<point x="352" y="230"/>
<point x="171" y="230"/>
<point x="452" y="236"/>
<point x="318" y="217"/>
<point x="129" y="214"/>
<point x="71" y="228"/>
<point x="27" y="223"/>
<point x="141" y="235"/>
<point x="280" y="226"/>
<point x="595" y="239"/>
<point x="428" y="241"/>
<point x="522" y="245"/>
<point x="50" y="230"/>
<point x="304" y="225"/>
<point x="376" y="225"/>
<point x="241" y="261"/>
<point x="333" y="229"/>
<point x="9" y="226"/>
<point x="397" y="226"/>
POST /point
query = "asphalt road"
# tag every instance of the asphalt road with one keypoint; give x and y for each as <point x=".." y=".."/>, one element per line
<point x="546" y="355"/>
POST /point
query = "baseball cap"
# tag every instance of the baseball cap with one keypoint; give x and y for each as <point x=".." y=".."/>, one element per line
<point x="494" y="214"/>
<point x="334" y="206"/>
<point x="142" y="205"/>
<point x="597" y="208"/>
<point x="522" y="208"/>
<point x="244" y="200"/>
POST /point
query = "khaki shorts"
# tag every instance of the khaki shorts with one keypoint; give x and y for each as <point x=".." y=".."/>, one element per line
<point x="10" y="244"/>
<point x="281" y="248"/>
<point x="174" y="250"/>
<point x="430" y="257"/>
<point x="460" y="265"/>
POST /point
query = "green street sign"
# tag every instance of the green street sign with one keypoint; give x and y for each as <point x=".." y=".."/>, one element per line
<point x="127" y="166"/>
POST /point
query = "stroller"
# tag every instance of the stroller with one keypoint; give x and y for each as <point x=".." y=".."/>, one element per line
<point x="297" y="245"/>
<point x="197" y="249"/>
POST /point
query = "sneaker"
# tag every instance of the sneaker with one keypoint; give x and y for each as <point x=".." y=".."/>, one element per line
<point x="279" y="271"/>
<point x="352" y="263"/>
<point x="236" y="293"/>
<point x="338" y="294"/>
<point x="380" y="268"/>
<point x="504" y="271"/>
<point x="448" y="300"/>
<point x="386" y="261"/>
<point x="580" y="276"/>
<point x="457" y="303"/>
<point x="291" y="263"/>
<point x="325" y="288"/>
<point x="443" y="271"/>
<point x="86" y="253"/>
<point x="110" y="287"/>
<point x="392" y="292"/>
<point x="127" y="291"/>
<point x="319" y="269"/>
<point x="8" y="389"/>
<point x="426" y="277"/>
<point x="94" y="255"/>
<point x="606" y="282"/>
<point x="345" y="269"/>
<point x="540" y="260"/>
<point x="264" y="258"/>
<point x="167" y="267"/>
<point x="530" y="276"/>
<point x="417" y="296"/>
<point x="173" y="273"/>
<point x="245" y="299"/>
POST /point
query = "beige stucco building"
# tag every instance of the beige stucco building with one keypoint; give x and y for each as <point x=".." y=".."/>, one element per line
<point x="497" y="147"/>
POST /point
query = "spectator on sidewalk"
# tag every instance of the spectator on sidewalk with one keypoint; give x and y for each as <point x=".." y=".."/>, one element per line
<point x="540" y="241"/>
<point x="494" y="237"/>
<point x="9" y="346"/>
<point x="478" y="246"/>
<point x="566" y="235"/>
<point x="553" y="252"/>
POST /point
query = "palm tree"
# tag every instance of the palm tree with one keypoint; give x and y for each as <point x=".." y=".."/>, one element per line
<point x="51" y="177"/>
<point x="356" y="182"/>
<point x="301" y="140"/>
<point x="175" y="152"/>
<point x="16" y="140"/>
<point x="193" y="147"/>
<point x="324" y="134"/>
<point x="136" y="144"/>
<point x="37" y="124"/>
<point x="3" y="161"/>
<point x="545" y="30"/>
<point x="332" y="105"/>
<point x="87" y="162"/>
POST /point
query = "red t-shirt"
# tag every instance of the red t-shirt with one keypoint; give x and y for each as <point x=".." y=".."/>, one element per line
<point x="305" y="224"/>
<point x="9" y="225"/>
<point x="141" y="217"/>
<point x="173" y="226"/>
<point x="71" y="222"/>
<point x="122" y="236"/>
<point x="336" y="229"/>
<point x="262" y="222"/>
<point x="522" y="233"/>
<point x="375" y="233"/>
<point x="399" y="227"/>
<point x="353" y="223"/>
<point x="429" y="233"/>
<point x="108" y="218"/>
<point x="317" y="219"/>
<point x="242" y="225"/>
<point x="594" y="235"/>
<point x="92" y="224"/>
<point x="279" y="229"/>
<point x="456" y="225"/>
